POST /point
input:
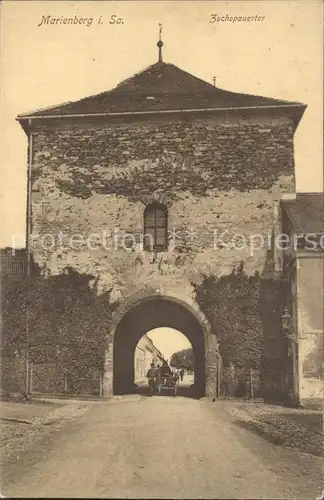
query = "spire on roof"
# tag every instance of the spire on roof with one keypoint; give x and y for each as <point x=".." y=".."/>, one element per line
<point x="160" y="43"/>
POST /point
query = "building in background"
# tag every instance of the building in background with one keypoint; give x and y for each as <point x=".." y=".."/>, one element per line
<point x="145" y="354"/>
<point x="303" y="222"/>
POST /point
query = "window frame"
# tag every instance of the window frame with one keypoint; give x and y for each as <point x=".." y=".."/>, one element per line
<point x="149" y="210"/>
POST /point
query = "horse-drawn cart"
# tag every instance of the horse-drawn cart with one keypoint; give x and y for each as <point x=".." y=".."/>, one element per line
<point x="167" y="383"/>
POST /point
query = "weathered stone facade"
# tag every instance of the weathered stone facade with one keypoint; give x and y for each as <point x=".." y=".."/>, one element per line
<point x="208" y="153"/>
<point x="234" y="191"/>
<point x="220" y="175"/>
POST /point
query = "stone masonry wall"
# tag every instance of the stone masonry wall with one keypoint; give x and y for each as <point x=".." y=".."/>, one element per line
<point x="216" y="176"/>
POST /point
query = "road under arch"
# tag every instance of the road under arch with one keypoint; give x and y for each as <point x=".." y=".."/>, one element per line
<point x="153" y="313"/>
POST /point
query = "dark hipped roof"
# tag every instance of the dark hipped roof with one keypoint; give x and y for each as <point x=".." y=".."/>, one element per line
<point x="306" y="212"/>
<point x="160" y="87"/>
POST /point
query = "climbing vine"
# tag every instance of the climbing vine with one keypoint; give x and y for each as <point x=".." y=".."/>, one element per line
<point x="243" y="312"/>
<point x="66" y="323"/>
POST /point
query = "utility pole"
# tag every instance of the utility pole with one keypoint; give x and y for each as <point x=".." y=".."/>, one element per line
<point x="26" y="356"/>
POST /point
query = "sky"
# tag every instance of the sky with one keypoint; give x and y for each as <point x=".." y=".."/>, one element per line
<point x="41" y="66"/>
<point x="168" y="341"/>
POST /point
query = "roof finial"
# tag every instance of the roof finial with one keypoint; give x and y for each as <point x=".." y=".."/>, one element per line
<point x="214" y="81"/>
<point x="160" y="43"/>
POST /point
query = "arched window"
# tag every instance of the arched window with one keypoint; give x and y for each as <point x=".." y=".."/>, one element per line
<point x="155" y="227"/>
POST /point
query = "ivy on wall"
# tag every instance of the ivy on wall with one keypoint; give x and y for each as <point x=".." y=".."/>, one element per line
<point x="66" y="323"/>
<point x="244" y="313"/>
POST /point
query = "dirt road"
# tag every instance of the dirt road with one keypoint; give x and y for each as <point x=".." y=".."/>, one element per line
<point x="160" y="447"/>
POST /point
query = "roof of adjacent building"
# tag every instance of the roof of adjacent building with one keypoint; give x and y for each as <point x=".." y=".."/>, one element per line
<point x="161" y="87"/>
<point x="306" y="212"/>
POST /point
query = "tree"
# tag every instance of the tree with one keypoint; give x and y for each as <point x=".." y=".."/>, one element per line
<point x="183" y="358"/>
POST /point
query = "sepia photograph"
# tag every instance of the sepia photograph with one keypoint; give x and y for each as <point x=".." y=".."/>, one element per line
<point x="162" y="249"/>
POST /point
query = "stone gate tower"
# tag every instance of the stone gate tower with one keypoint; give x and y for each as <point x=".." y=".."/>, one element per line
<point x="146" y="179"/>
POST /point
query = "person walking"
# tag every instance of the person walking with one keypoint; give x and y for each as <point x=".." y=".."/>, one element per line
<point x="152" y="378"/>
<point x="181" y="373"/>
<point x="175" y="373"/>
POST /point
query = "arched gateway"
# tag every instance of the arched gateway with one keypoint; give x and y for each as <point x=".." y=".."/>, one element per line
<point x="148" y="314"/>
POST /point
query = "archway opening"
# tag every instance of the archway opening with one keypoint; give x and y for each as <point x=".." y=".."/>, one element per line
<point x="164" y="344"/>
<point x="147" y="315"/>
